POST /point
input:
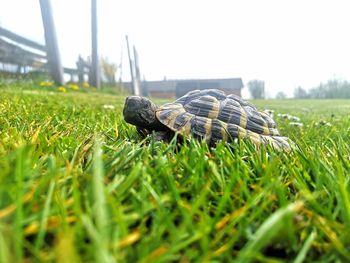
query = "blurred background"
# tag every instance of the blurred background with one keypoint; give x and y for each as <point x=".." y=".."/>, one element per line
<point x="266" y="49"/>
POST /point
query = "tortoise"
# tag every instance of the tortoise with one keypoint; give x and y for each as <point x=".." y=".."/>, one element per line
<point x="208" y="114"/>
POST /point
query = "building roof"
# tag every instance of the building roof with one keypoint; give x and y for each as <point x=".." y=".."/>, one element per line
<point x="179" y="87"/>
<point x="171" y="84"/>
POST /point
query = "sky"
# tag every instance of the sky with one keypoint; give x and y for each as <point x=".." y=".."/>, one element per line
<point x="286" y="43"/>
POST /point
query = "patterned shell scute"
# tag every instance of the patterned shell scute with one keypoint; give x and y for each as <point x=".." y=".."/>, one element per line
<point x="213" y="116"/>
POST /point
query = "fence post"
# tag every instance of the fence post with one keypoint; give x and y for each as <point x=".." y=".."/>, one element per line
<point x="94" y="74"/>
<point x="52" y="51"/>
<point x="135" y="89"/>
<point x="80" y="69"/>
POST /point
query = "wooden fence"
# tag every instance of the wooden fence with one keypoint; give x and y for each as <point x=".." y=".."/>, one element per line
<point x="22" y="56"/>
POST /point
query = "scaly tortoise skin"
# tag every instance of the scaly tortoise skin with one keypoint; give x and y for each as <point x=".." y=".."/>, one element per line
<point x="213" y="116"/>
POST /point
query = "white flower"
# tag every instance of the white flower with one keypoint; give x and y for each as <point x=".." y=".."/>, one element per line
<point x="294" y="118"/>
<point x="107" y="106"/>
<point x="298" y="124"/>
<point x="289" y="117"/>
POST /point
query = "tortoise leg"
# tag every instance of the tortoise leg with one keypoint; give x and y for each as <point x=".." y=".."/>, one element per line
<point x="143" y="132"/>
<point x="162" y="136"/>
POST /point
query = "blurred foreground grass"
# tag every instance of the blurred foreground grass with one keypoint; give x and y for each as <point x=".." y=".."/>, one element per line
<point x="77" y="184"/>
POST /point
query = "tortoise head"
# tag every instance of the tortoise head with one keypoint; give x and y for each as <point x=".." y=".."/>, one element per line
<point x="141" y="112"/>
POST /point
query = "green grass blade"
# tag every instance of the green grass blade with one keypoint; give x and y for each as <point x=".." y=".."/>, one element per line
<point x="306" y="247"/>
<point x="266" y="232"/>
<point x="41" y="234"/>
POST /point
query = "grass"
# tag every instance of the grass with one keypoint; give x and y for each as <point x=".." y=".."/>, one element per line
<point x="77" y="184"/>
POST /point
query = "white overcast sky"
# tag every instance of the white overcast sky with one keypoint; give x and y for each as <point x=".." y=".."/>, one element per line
<point x="286" y="43"/>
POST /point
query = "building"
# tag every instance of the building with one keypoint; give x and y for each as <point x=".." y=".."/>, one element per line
<point x="177" y="88"/>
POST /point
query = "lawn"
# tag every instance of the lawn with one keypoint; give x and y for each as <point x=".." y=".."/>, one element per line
<point x="77" y="184"/>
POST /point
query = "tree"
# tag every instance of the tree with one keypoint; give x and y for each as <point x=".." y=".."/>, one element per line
<point x="256" y="88"/>
<point x="300" y="93"/>
<point x="281" y="95"/>
<point x="332" y="89"/>
<point x="108" y="69"/>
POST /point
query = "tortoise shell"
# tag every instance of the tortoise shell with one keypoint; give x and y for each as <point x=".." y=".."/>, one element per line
<point x="212" y="115"/>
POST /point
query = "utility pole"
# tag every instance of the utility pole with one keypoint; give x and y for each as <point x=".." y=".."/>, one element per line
<point x="135" y="88"/>
<point x="121" y="65"/>
<point x="95" y="73"/>
<point x="52" y="51"/>
<point x="137" y="70"/>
